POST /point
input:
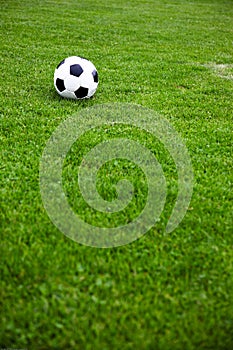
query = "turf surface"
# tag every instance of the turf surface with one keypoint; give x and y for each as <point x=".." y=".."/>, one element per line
<point x="163" y="291"/>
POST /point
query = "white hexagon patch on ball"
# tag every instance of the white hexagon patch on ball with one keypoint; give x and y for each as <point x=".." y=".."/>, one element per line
<point x="76" y="77"/>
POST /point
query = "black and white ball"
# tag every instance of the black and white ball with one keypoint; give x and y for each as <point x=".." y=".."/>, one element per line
<point x="76" y="77"/>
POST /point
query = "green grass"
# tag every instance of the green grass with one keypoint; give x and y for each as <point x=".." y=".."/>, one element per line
<point x="164" y="291"/>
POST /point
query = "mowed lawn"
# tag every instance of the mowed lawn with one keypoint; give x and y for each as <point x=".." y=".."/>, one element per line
<point x="163" y="291"/>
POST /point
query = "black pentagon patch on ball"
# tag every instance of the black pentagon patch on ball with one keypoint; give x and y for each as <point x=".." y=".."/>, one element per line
<point x="60" y="85"/>
<point x="76" y="70"/>
<point x="81" y="92"/>
<point x="60" y="63"/>
<point x="95" y="76"/>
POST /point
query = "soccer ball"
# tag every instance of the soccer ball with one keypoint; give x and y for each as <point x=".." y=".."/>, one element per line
<point x="76" y="77"/>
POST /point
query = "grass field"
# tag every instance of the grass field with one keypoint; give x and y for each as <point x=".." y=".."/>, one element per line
<point x="163" y="291"/>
